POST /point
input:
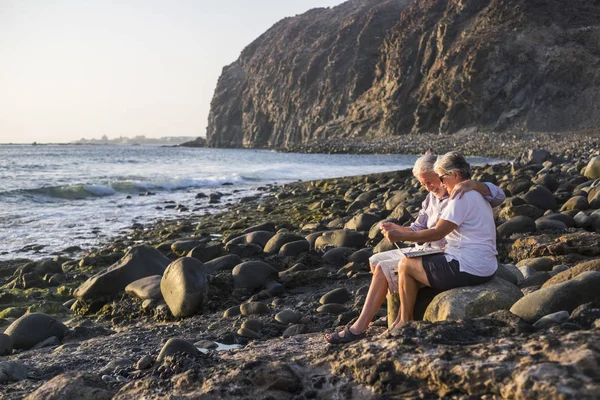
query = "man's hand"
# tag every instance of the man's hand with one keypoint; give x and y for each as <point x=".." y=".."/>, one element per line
<point x="392" y="232"/>
<point x="466" y="186"/>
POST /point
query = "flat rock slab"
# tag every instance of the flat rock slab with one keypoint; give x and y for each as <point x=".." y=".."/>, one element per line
<point x="145" y="288"/>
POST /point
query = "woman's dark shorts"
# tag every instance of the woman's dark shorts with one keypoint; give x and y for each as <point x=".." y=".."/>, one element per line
<point x="444" y="275"/>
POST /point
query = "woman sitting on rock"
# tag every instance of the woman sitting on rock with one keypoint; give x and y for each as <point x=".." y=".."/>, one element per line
<point x="458" y="267"/>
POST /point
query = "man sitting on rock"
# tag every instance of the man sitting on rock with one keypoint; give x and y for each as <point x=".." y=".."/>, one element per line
<point x="384" y="266"/>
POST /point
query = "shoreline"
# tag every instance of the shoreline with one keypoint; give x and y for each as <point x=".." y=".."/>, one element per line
<point x="122" y="329"/>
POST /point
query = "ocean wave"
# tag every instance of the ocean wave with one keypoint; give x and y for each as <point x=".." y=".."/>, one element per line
<point x="80" y="191"/>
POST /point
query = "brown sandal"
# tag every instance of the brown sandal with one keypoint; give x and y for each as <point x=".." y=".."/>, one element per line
<point x="348" y="337"/>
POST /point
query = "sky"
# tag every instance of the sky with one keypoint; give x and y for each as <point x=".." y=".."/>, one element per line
<point x="72" y="69"/>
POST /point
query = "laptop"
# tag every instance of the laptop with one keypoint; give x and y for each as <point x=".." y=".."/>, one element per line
<point x="412" y="252"/>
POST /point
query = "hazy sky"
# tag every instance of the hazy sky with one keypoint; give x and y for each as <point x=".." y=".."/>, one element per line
<point x="84" y="68"/>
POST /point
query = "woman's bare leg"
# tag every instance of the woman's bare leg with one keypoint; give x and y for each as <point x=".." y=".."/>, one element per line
<point x="375" y="297"/>
<point x="410" y="275"/>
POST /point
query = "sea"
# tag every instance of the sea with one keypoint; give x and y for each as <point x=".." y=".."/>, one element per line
<point x="56" y="197"/>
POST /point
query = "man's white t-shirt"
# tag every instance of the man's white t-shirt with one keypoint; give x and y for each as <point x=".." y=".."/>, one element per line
<point x="473" y="242"/>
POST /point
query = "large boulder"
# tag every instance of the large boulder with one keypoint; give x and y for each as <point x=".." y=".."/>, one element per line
<point x="71" y="386"/>
<point x="293" y="249"/>
<point x="253" y="275"/>
<point x="564" y="296"/>
<point x="276" y="242"/>
<point x="592" y="265"/>
<point x="184" y="286"/>
<point x="30" y="329"/>
<point x="139" y="262"/>
<point x="473" y="301"/>
<point x="145" y="288"/>
<point x="537" y="263"/>
<point x="576" y="203"/>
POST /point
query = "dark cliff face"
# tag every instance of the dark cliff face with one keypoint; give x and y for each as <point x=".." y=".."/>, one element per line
<point x="385" y="67"/>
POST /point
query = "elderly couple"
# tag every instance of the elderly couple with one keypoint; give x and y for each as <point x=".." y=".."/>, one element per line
<point x="456" y="216"/>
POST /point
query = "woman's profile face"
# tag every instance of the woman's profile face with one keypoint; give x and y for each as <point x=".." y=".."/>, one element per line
<point x="449" y="180"/>
<point x="432" y="183"/>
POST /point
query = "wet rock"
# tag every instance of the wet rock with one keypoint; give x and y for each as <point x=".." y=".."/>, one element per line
<point x="30" y="329"/>
<point x="339" y="296"/>
<point x="276" y="242"/>
<point x="145" y="288"/>
<point x="13" y="371"/>
<point x="558" y="297"/>
<point x="551" y="319"/>
<point x="293" y="249"/>
<point x="473" y="301"/>
<point x="254" y="308"/>
<point x="174" y="346"/>
<point x="223" y="263"/>
<point x="73" y="385"/>
<point x="520" y="224"/>
<point x="6" y="344"/>
<point x="184" y="286"/>
<point x="253" y="275"/>
<point x="138" y="263"/>
<point x="337" y="256"/>
<point x="288" y="317"/>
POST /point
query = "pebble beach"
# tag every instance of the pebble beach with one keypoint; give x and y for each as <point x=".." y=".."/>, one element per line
<point x="234" y="304"/>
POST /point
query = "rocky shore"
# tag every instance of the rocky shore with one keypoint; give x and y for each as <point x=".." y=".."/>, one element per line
<point x="234" y="305"/>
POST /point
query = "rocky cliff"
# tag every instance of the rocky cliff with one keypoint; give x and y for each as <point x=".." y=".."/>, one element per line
<point x="373" y="68"/>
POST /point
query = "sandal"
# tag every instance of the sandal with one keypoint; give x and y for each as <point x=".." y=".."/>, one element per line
<point x="348" y="337"/>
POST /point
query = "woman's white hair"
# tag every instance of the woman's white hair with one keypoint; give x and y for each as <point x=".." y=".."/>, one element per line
<point x="453" y="162"/>
<point x="423" y="164"/>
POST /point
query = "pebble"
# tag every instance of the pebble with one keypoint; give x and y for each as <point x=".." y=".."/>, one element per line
<point x="551" y="319"/>
<point x="332" y="308"/>
<point x="108" y="379"/>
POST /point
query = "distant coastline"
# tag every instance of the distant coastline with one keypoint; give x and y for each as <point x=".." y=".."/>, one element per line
<point x="120" y="141"/>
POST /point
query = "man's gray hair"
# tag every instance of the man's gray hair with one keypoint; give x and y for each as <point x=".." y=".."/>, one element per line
<point x="423" y="164"/>
<point x="453" y="162"/>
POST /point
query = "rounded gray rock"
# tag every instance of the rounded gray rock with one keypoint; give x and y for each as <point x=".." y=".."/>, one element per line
<point x="177" y="346"/>
<point x="332" y="308"/>
<point x="288" y="317"/>
<point x="184" y="286"/>
<point x="223" y="263"/>
<point x="253" y="275"/>
<point x="339" y="296"/>
<point x="276" y="242"/>
<point x="520" y="224"/>
<point x="337" y="256"/>
<point x="30" y="329"/>
<point x="295" y="248"/>
<point x="254" y="308"/>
